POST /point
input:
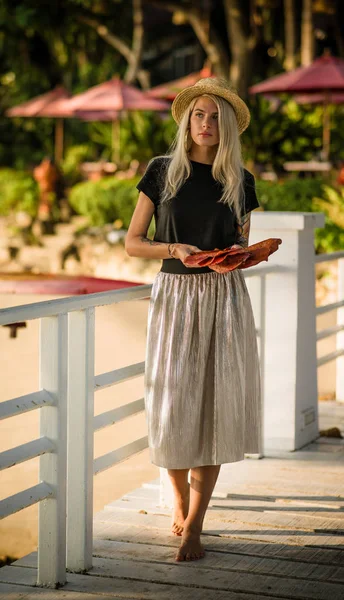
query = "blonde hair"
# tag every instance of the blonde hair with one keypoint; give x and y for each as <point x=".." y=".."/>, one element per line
<point x="227" y="167"/>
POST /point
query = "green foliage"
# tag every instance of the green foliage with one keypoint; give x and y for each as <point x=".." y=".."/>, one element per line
<point x="289" y="132"/>
<point x="74" y="156"/>
<point x="290" y="194"/>
<point x="142" y="135"/>
<point x="18" y="192"/>
<point x="308" y="195"/>
<point x="331" y="238"/>
<point x="106" y="200"/>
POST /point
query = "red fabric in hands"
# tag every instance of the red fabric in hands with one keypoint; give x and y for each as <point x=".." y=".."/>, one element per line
<point x="231" y="258"/>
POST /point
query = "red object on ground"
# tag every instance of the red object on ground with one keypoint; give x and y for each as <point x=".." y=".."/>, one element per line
<point x="45" y="283"/>
<point x="169" y="90"/>
<point x="325" y="73"/>
<point x="45" y="105"/>
<point x="231" y="258"/>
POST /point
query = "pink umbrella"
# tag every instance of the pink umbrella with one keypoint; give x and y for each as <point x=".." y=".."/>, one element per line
<point x="169" y="90"/>
<point x="45" y="105"/>
<point x="325" y="76"/>
<point x="108" y="101"/>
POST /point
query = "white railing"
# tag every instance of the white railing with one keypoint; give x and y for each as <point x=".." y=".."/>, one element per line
<point x="67" y="423"/>
<point x="338" y="329"/>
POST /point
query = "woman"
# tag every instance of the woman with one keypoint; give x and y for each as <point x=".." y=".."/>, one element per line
<point x="202" y="379"/>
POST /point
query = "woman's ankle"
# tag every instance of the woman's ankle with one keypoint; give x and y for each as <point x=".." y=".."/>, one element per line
<point x="193" y="526"/>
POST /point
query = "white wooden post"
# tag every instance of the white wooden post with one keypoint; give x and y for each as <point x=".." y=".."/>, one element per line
<point x="340" y="335"/>
<point x="53" y="425"/>
<point x="166" y="490"/>
<point x="257" y="289"/>
<point x="80" y="440"/>
<point x="290" y="361"/>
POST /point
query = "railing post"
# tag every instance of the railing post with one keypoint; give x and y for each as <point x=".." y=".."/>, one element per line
<point x="340" y="335"/>
<point x="80" y="440"/>
<point x="257" y="289"/>
<point x="290" y="361"/>
<point x="53" y="425"/>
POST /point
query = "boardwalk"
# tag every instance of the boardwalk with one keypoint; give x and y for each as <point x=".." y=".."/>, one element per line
<point x="274" y="529"/>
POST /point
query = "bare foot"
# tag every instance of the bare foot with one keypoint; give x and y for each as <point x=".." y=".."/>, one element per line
<point x="191" y="547"/>
<point x="180" y="512"/>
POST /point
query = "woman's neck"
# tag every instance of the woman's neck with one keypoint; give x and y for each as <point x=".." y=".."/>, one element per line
<point x="203" y="155"/>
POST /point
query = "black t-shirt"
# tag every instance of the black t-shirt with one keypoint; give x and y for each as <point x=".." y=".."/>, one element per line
<point x="193" y="216"/>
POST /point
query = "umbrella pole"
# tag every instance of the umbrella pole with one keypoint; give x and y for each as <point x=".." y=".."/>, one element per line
<point x="59" y="140"/>
<point x="116" y="147"/>
<point x="326" y="130"/>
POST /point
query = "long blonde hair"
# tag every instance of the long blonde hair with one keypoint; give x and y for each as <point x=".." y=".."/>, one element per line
<point x="227" y="167"/>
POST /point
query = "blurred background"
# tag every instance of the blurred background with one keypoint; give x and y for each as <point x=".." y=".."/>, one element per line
<point x="86" y="89"/>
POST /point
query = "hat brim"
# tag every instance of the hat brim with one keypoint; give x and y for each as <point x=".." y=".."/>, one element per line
<point x="183" y="99"/>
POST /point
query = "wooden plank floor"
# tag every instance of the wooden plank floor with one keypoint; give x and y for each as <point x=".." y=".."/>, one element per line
<point x="274" y="529"/>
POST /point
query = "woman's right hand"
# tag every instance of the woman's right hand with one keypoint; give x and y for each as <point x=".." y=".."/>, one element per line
<point x="181" y="251"/>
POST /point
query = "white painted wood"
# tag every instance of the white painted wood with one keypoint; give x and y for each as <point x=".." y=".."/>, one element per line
<point x="129" y="589"/>
<point x="9" y="591"/>
<point x="22" y="404"/>
<point x="80" y="439"/>
<point x="112" y="458"/>
<point x="290" y="367"/>
<point x="118" y="414"/>
<point x="22" y="500"/>
<point x="258" y="301"/>
<point x="320" y="310"/>
<point x="258" y="270"/>
<point x="329" y="357"/>
<point x="284" y="221"/>
<point x="340" y="334"/>
<point x="49" y="308"/>
<point x="166" y="495"/>
<point x="25" y="452"/>
<point x="328" y="256"/>
<point x="53" y="425"/>
<point x="324" y="333"/>
<point x="118" y="375"/>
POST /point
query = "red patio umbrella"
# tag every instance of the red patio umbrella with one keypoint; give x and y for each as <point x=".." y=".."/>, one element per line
<point x="45" y="105"/>
<point x="168" y="91"/>
<point x="108" y="101"/>
<point x="325" y="76"/>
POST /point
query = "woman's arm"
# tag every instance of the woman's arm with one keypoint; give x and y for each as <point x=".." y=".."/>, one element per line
<point x="243" y="230"/>
<point x="136" y="241"/>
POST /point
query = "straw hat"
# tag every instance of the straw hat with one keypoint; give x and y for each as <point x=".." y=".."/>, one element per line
<point x="211" y="85"/>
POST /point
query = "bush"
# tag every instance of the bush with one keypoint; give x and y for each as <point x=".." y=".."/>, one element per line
<point x="18" y="192"/>
<point x="308" y="195"/>
<point x="289" y="195"/>
<point x="106" y="200"/>
<point x="74" y="157"/>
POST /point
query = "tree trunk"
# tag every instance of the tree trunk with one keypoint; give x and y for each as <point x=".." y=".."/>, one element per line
<point x="307" y="35"/>
<point x="132" y="55"/>
<point x="242" y="42"/>
<point x="209" y="40"/>
<point x="289" y="35"/>
<point x="137" y="45"/>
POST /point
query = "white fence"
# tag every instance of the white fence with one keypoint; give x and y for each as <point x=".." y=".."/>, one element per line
<point x="67" y="384"/>
<point x="67" y="424"/>
<point x="338" y="329"/>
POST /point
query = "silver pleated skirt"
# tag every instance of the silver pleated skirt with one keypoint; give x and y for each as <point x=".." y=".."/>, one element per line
<point x="202" y="376"/>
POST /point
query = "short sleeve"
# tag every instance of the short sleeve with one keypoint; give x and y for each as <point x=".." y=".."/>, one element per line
<point x="251" y="201"/>
<point x="150" y="183"/>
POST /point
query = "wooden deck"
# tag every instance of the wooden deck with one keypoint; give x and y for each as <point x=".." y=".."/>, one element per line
<point x="274" y="529"/>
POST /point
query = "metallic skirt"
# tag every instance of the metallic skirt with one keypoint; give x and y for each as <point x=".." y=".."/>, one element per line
<point x="202" y="373"/>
